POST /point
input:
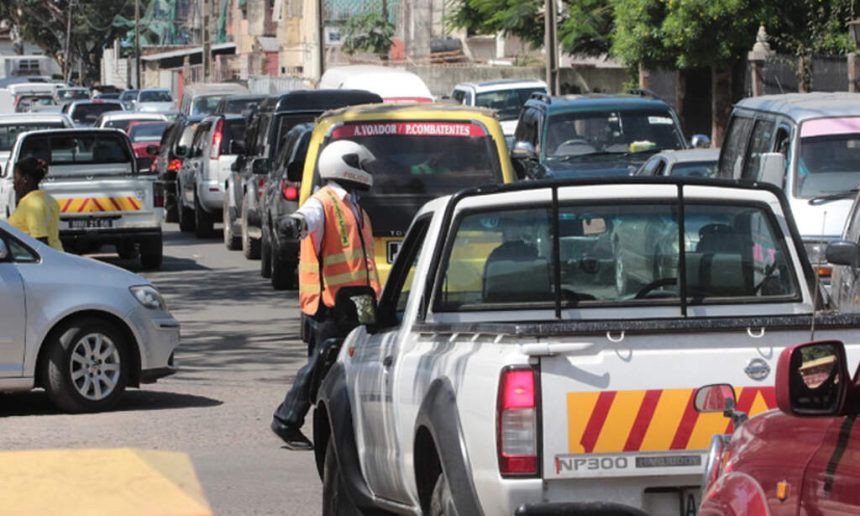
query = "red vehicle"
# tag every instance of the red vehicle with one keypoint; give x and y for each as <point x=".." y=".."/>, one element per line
<point x="803" y="458"/>
<point x="146" y="137"/>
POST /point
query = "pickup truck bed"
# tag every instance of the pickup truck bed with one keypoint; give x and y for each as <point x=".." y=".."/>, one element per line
<point x="538" y="347"/>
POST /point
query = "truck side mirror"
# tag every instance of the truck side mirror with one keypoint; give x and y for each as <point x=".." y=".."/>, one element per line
<point x="700" y="141"/>
<point x="812" y="379"/>
<point x="236" y="147"/>
<point x="152" y="150"/>
<point x="295" y="171"/>
<point x="260" y="166"/>
<point x="772" y="168"/>
<point x="181" y="151"/>
<point x="843" y="252"/>
<point x="523" y="151"/>
<point x="144" y="165"/>
<point x="714" y="398"/>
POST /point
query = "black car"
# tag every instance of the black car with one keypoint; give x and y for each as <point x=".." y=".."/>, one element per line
<point x="592" y="135"/>
<point x="267" y="128"/>
<point x="280" y="256"/>
<point x="172" y="151"/>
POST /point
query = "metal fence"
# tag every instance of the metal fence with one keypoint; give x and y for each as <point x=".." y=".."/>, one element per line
<point x="779" y="75"/>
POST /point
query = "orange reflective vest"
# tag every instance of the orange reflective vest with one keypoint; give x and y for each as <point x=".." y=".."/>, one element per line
<point x="347" y="255"/>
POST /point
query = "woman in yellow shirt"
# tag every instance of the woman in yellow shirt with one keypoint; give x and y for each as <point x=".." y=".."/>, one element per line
<point x="37" y="213"/>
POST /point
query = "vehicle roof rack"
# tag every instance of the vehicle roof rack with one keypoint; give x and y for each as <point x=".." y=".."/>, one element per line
<point x="644" y="92"/>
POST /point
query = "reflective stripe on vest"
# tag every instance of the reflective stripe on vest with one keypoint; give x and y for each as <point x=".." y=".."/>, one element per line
<point x="347" y="255"/>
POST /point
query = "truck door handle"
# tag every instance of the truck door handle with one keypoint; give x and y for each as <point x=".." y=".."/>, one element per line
<point x="387" y="361"/>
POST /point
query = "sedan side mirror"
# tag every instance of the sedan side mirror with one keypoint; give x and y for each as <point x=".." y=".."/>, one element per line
<point x="524" y="151"/>
<point x="700" y="141"/>
<point x="812" y="379"/>
<point x="4" y="251"/>
<point x="295" y="171"/>
<point x="152" y="150"/>
<point x="843" y="252"/>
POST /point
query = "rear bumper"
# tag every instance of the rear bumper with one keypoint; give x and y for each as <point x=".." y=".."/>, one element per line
<point x="573" y="508"/>
<point x="109" y="236"/>
<point x="211" y="195"/>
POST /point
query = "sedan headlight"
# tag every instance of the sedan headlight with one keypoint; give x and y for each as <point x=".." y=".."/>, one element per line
<point x="148" y="297"/>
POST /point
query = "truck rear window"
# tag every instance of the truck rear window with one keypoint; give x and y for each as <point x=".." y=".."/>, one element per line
<point x="9" y="132"/>
<point x="89" y="113"/>
<point x="425" y="158"/>
<point x="615" y="255"/>
<point x="60" y="149"/>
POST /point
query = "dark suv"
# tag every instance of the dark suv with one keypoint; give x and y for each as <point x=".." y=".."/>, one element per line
<point x="280" y="256"/>
<point x="591" y="135"/>
<point x="266" y="130"/>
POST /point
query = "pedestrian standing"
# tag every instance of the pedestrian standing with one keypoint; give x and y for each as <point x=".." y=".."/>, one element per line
<point x="37" y="213"/>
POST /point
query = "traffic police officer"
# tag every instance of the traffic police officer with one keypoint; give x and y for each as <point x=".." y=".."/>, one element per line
<point x="336" y="251"/>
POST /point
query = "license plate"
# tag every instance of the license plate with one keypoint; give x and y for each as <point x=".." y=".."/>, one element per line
<point x="92" y="223"/>
<point x="393" y="249"/>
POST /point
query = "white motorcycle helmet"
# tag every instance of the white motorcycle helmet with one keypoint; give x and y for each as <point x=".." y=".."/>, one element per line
<point x="346" y="163"/>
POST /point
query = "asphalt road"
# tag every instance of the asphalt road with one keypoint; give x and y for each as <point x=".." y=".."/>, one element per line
<point x="239" y="351"/>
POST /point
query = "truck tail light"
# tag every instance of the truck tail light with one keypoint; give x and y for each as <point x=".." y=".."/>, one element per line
<point x="215" y="153"/>
<point x="261" y="185"/>
<point x="174" y="165"/>
<point x="289" y="190"/>
<point x="157" y="194"/>
<point x="516" y="423"/>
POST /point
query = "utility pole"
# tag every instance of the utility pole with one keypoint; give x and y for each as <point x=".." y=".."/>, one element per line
<point x="67" y="69"/>
<point x="137" y="43"/>
<point x="321" y="39"/>
<point x="207" y="42"/>
<point x="551" y="45"/>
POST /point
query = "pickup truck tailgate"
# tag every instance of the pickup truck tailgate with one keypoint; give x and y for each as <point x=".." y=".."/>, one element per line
<point x="125" y="200"/>
<point x="625" y="408"/>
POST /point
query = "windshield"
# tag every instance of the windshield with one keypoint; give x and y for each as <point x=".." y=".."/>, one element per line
<point x="148" y="132"/>
<point x="425" y="158"/>
<point x="589" y="132"/>
<point x="73" y="94"/>
<point x="829" y="157"/>
<point x="89" y="113"/>
<point x="507" y="103"/>
<point x="155" y="96"/>
<point x="9" y="133"/>
<point x="205" y="105"/>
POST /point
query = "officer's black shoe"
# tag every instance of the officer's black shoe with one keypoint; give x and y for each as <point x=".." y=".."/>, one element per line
<point x="292" y="436"/>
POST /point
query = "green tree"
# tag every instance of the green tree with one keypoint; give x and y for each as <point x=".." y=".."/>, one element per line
<point x="43" y="22"/>
<point x="587" y="27"/>
<point x="368" y="33"/>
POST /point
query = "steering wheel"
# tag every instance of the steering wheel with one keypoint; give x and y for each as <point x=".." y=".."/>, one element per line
<point x="654" y="285"/>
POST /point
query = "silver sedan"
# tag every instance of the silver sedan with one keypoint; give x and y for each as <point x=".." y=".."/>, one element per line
<point x="81" y="329"/>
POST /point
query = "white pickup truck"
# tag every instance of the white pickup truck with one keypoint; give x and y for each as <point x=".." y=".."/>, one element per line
<point x="106" y="195"/>
<point x="537" y="347"/>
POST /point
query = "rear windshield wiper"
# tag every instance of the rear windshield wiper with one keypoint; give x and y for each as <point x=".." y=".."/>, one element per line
<point x="821" y="199"/>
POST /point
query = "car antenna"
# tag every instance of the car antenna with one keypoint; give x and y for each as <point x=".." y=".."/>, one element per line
<point x="817" y="287"/>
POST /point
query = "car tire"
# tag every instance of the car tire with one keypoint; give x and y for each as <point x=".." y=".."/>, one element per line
<point x="335" y="500"/>
<point x="203" y="223"/>
<point x="126" y="250"/>
<point x="86" y="365"/>
<point x="441" y="501"/>
<point x="186" y="215"/>
<point x="152" y="253"/>
<point x="250" y="246"/>
<point x="231" y="241"/>
<point x="265" y="256"/>
<point x="283" y="272"/>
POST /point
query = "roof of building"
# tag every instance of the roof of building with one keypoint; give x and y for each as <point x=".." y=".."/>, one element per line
<point x="805" y="106"/>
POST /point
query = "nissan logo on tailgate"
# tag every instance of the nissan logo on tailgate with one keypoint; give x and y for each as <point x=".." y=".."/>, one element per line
<point x="757" y="369"/>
